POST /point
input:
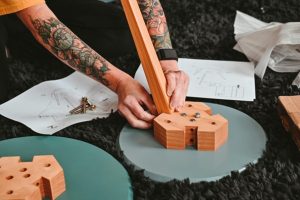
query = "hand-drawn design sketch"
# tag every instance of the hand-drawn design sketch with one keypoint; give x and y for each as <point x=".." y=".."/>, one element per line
<point x="58" y="103"/>
<point x="215" y="79"/>
<point x="45" y="107"/>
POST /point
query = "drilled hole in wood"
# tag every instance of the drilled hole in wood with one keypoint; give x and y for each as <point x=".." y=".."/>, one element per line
<point x="168" y="121"/>
<point x="192" y="129"/>
<point x="183" y="114"/>
<point x="10" y="192"/>
<point x="47" y="165"/>
<point x="37" y="184"/>
<point x="26" y="175"/>
<point x="213" y="123"/>
<point x="23" y="170"/>
<point x="190" y="105"/>
<point x="9" y="177"/>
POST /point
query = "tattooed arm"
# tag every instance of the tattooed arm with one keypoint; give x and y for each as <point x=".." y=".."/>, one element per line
<point x="156" y="23"/>
<point x="177" y="80"/>
<point x="67" y="47"/>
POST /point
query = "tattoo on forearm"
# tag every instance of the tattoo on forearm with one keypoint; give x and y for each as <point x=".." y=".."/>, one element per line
<point x="155" y="19"/>
<point x="68" y="47"/>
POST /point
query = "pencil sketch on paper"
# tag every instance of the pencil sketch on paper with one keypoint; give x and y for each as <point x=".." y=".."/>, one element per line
<point x="46" y="106"/>
<point x="61" y="101"/>
<point x="215" y="79"/>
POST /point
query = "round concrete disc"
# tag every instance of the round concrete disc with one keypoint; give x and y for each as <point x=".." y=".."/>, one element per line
<point x="90" y="172"/>
<point x="246" y="142"/>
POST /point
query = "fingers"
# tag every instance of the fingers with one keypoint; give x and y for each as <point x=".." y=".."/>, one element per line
<point x="132" y="120"/>
<point x="178" y="97"/>
<point x="140" y="113"/>
<point x="148" y="102"/>
<point x="132" y="96"/>
<point x="178" y="83"/>
<point x="136" y="116"/>
<point x="171" y="82"/>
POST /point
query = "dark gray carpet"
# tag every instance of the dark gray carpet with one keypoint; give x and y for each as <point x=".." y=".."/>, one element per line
<point x="200" y="29"/>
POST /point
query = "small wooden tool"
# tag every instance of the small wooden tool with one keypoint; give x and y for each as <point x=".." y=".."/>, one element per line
<point x="43" y="177"/>
<point x="171" y="129"/>
<point x="289" y="111"/>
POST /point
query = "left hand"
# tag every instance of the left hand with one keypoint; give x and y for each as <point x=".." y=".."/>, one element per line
<point x="132" y="97"/>
<point x="177" y="83"/>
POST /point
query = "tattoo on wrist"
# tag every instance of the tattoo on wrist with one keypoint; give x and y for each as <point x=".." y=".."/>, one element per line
<point x="68" y="47"/>
<point x="156" y="22"/>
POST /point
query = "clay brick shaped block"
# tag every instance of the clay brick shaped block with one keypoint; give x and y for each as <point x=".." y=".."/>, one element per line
<point x="194" y="126"/>
<point x="43" y="177"/>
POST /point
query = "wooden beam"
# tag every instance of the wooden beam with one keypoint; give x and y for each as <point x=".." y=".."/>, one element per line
<point x="289" y="111"/>
<point x="147" y="54"/>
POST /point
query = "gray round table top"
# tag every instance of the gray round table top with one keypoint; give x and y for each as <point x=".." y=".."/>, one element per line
<point x="90" y="173"/>
<point x="246" y="143"/>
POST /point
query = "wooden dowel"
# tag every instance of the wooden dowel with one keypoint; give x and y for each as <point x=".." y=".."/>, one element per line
<point x="151" y="65"/>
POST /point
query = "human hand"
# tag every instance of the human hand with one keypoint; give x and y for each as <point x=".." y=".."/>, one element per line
<point x="177" y="83"/>
<point x="132" y="98"/>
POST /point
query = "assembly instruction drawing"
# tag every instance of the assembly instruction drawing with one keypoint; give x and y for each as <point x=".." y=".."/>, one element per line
<point x="45" y="107"/>
<point x="213" y="79"/>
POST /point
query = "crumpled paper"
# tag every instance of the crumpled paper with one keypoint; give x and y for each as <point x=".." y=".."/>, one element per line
<point x="274" y="45"/>
<point x="297" y="81"/>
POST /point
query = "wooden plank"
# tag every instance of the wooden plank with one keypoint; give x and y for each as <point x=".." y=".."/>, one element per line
<point x="289" y="112"/>
<point x="151" y="65"/>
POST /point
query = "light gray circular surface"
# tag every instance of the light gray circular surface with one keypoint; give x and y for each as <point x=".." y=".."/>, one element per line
<point x="246" y="143"/>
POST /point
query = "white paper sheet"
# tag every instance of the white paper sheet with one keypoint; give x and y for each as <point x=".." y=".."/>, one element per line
<point x="45" y="107"/>
<point x="273" y="44"/>
<point x="215" y="79"/>
<point x="296" y="82"/>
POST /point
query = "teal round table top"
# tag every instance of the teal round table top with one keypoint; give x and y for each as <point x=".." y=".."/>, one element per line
<point x="246" y="143"/>
<point x="90" y="172"/>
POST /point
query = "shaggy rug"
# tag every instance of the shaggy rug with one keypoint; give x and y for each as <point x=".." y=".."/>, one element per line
<point x="204" y="30"/>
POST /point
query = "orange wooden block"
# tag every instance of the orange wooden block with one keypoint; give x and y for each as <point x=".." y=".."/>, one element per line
<point x="43" y="177"/>
<point x="289" y="112"/>
<point x="194" y="126"/>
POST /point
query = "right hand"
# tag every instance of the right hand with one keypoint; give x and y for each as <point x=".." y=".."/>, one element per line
<point x="132" y="98"/>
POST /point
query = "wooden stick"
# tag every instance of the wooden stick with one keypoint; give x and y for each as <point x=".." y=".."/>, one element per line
<point x="151" y="65"/>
